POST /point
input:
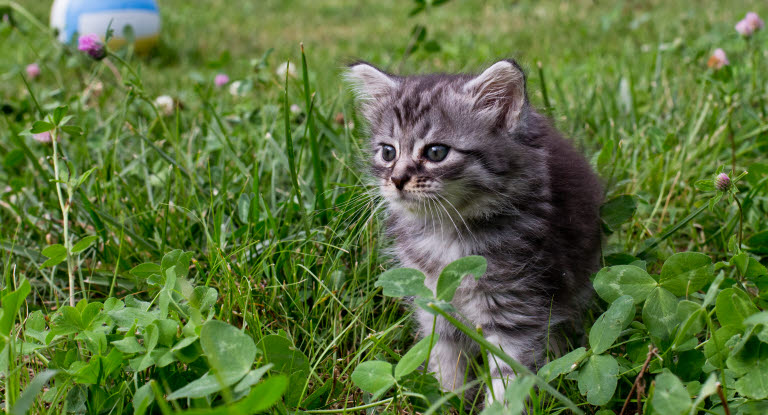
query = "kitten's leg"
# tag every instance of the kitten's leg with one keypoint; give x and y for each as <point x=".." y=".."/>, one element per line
<point x="449" y="356"/>
<point x="449" y="361"/>
<point x="520" y="349"/>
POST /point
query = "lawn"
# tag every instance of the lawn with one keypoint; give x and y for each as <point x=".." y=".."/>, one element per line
<point x="223" y="251"/>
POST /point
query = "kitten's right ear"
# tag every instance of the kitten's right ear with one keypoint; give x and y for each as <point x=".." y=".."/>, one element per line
<point x="369" y="83"/>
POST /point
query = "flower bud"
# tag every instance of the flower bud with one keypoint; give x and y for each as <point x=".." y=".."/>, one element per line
<point x="220" y="80"/>
<point x="749" y="24"/>
<point x="718" y="59"/>
<point x="44" y="137"/>
<point x="722" y="182"/>
<point x="91" y="44"/>
<point x="33" y="70"/>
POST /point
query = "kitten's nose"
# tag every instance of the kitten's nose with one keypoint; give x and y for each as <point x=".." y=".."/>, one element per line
<point x="400" y="181"/>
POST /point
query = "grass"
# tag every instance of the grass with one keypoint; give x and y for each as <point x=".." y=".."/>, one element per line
<point x="235" y="179"/>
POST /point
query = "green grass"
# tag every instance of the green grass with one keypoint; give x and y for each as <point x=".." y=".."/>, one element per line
<point x="235" y="180"/>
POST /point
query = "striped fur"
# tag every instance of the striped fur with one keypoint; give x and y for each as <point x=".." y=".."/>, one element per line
<point x="510" y="189"/>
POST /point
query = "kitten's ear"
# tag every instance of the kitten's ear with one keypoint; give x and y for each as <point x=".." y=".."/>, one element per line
<point x="369" y="83"/>
<point x="500" y="88"/>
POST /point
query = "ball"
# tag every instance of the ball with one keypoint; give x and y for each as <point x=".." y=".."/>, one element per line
<point x="74" y="17"/>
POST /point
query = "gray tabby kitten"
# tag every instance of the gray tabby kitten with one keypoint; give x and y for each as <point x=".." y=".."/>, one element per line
<point x="467" y="167"/>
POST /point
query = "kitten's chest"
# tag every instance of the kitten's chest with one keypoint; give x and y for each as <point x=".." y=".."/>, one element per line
<point x="431" y="252"/>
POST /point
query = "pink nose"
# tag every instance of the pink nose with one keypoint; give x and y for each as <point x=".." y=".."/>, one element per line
<point x="400" y="181"/>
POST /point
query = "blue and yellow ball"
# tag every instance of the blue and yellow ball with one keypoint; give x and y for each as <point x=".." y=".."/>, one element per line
<point x="72" y="17"/>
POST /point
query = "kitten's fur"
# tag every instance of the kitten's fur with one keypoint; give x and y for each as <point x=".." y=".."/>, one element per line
<point x="510" y="189"/>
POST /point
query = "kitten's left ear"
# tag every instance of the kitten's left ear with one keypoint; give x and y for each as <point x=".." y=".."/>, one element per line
<point x="370" y="83"/>
<point x="500" y="88"/>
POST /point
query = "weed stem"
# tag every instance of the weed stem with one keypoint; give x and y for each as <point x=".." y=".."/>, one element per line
<point x="65" y="206"/>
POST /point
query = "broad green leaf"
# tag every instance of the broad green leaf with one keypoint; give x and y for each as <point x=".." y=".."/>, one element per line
<point x="708" y="389"/>
<point x="68" y="320"/>
<point x="705" y="185"/>
<point x="11" y="305"/>
<point x="35" y="326"/>
<point x="200" y="388"/>
<point x="165" y="296"/>
<point x="76" y="182"/>
<point x="733" y="306"/>
<point x="179" y="260"/>
<point x="146" y="270"/>
<point x="143" y="398"/>
<point x="688" y="366"/>
<point x="283" y="355"/>
<point x="72" y="130"/>
<point x="91" y="315"/>
<point x="715" y="349"/>
<point x="517" y="392"/>
<point x="713" y="290"/>
<point x="129" y="345"/>
<point x="167" y="330"/>
<point x="660" y="312"/>
<point x="749" y="267"/>
<point x="203" y="298"/>
<point x="692" y="315"/>
<point x="24" y="403"/>
<point x="670" y="397"/>
<point x="125" y="317"/>
<point x="613" y="282"/>
<point x="41" y="127"/>
<point x="415" y="357"/>
<point x="373" y="377"/>
<point x="263" y="396"/>
<point x="113" y="304"/>
<point x="56" y="254"/>
<point x="686" y="272"/>
<point x="84" y="243"/>
<point x="229" y="351"/>
<point x="564" y="364"/>
<point x="403" y="282"/>
<point x="187" y="350"/>
<point x="597" y="379"/>
<point x="76" y="399"/>
<point x="453" y="273"/>
<point x="685" y="310"/>
<point x="95" y="341"/>
<point x="760" y="318"/>
<point x="751" y="362"/>
<point x="426" y="385"/>
<point x="609" y="325"/>
<point x="618" y="210"/>
<point x="59" y="113"/>
<point x="244" y="207"/>
<point x="251" y="378"/>
<point x="289" y="360"/>
<point x="142" y="362"/>
<point x="759" y="243"/>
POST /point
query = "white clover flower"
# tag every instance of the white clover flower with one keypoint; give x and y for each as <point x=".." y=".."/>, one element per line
<point x="164" y="104"/>
<point x="284" y="68"/>
<point x="234" y="88"/>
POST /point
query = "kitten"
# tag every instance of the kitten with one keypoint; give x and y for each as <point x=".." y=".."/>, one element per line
<point x="468" y="167"/>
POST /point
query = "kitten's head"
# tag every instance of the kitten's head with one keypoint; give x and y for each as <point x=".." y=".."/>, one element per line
<point x="448" y="140"/>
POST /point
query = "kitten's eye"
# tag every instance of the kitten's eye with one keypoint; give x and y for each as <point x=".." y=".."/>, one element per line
<point x="436" y="153"/>
<point x="388" y="152"/>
